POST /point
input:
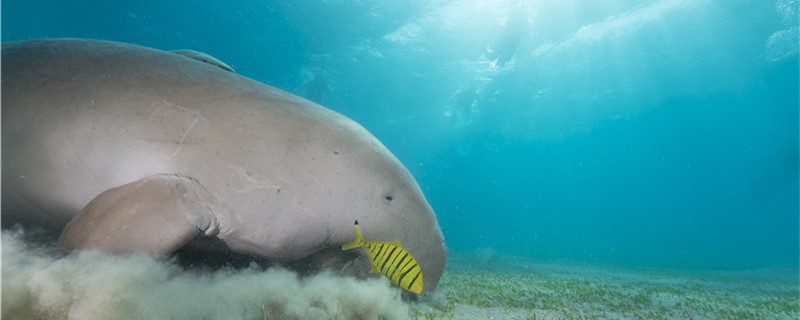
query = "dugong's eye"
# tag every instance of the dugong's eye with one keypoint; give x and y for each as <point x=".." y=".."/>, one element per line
<point x="388" y="198"/>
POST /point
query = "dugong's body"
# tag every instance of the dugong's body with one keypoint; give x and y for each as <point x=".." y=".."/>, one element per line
<point x="127" y="148"/>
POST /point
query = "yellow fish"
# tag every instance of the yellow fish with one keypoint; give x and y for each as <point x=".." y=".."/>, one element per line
<point x="392" y="260"/>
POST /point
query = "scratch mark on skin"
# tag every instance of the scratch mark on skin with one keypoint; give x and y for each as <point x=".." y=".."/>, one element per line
<point x="319" y="183"/>
<point x="196" y="117"/>
<point x="180" y="141"/>
<point x="189" y="111"/>
<point x="243" y="182"/>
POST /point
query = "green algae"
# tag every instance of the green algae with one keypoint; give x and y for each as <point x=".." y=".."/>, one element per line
<point x="537" y="290"/>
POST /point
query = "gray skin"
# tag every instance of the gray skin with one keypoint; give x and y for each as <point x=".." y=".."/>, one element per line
<point x="125" y="148"/>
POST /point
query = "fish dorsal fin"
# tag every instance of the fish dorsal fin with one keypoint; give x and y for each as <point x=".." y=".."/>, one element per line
<point x="204" y="57"/>
<point x="397" y="243"/>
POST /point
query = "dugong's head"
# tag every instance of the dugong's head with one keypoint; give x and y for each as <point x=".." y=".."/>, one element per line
<point x="349" y="175"/>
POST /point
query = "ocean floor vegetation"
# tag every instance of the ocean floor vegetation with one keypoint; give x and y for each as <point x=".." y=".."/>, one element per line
<point x="514" y="288"/>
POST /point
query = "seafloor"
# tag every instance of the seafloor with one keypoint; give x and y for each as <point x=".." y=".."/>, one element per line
<point x="515" y="288"/>
<point x="38" y="282"/>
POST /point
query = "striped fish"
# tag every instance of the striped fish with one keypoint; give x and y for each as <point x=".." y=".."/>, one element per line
<point x="392" y="260"/>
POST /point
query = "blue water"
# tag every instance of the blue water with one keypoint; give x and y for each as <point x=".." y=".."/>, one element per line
<point x="657" y="133"/>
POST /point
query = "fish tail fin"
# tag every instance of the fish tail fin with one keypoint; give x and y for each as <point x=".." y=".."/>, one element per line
<point x="359" y="242"/>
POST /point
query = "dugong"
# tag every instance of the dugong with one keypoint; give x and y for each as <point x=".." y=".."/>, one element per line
<point x="125" y="148"/>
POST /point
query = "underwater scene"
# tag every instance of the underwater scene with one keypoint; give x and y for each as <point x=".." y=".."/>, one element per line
<point x="521" y="159"/>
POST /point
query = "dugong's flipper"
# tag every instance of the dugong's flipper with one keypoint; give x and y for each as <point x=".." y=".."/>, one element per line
<point x="156" y="214"/>
<point x="204" y="57"/>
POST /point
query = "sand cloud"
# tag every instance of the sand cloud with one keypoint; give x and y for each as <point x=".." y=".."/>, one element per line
<point x="39" y="283"/>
